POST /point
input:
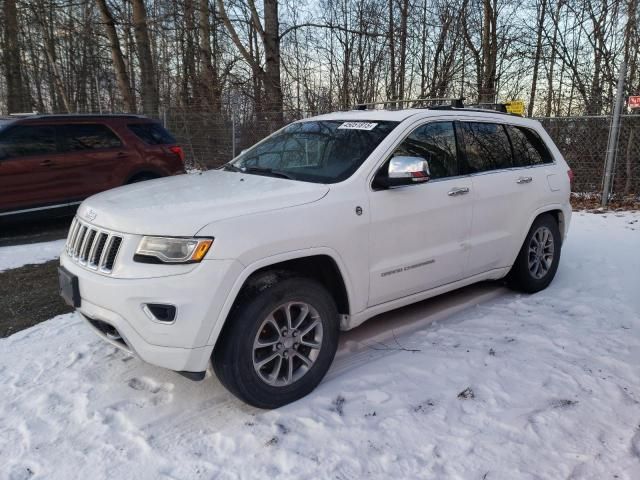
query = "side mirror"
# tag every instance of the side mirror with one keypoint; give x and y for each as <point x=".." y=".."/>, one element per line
<point x="3" y="153"/>
<point x="404" y="170"/>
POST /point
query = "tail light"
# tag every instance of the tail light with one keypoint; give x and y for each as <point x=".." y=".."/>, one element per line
<point x="571" y="176"/>
<point x="178" y="151"/>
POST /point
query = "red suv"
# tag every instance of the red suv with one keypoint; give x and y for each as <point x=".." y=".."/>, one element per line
<point x="49" y="163"/>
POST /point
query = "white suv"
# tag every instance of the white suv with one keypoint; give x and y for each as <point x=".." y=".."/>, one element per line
<point x="322" y="225"/>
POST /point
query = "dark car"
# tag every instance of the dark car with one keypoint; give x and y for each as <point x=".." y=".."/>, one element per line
<point x="50" y="163"/>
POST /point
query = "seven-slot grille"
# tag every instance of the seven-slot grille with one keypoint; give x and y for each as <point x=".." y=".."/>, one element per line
<point x="92" y="247"/>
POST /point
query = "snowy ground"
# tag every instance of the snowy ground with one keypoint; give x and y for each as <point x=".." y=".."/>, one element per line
<point x="19" y="255"/>
<point x="500" y="386"/>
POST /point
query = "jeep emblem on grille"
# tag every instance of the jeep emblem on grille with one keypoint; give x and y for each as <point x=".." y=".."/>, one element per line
<point x="90" y="215"/>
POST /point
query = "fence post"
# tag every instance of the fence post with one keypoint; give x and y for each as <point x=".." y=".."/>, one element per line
<point x="613" y="136"/>
<point x="233" y="134"/>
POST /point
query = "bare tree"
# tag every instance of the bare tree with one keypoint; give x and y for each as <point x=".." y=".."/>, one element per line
<point x="17" y="98"/>
<point x="122" y="76"/>
<point x="149" y="90"/>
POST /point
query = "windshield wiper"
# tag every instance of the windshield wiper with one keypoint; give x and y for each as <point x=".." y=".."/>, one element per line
<point x="267" y="171"/>
<point x="231" y="167"/>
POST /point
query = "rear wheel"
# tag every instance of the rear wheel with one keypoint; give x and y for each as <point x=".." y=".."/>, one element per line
<point x="537" y="263"/>
<point x="278" y="342"/>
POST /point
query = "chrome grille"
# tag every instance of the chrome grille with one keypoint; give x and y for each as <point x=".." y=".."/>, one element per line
<point x="92" y="247"/>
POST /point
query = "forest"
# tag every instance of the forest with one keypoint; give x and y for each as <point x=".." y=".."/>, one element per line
<point x="284" y="58"/>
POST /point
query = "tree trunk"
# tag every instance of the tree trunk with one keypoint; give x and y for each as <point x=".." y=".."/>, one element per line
<point x="404" y="14"/>
<point x="273" y="87"/>
<point x="149" y="90"/>
<point x="487" y="90"/>
<point x="122" y="78"/>
<point x="392" y="93"/>
<point x="536" y="61"/>
<point x="17" y="100"/>
<point x="209" y="80"/>
<point x="552" y="60"/>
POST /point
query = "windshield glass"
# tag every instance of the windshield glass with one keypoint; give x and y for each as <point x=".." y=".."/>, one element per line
<point x="326" y="151"/>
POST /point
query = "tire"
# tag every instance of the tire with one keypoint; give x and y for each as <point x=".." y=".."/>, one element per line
<point x="531" y="271"/>
<point x="239" y="351"/>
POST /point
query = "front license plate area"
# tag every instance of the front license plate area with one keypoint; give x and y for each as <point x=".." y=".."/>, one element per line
<point x="69" y="287"/>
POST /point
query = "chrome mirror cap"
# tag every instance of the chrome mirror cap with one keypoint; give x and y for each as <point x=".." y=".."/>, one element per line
<point x="415" y="168"/>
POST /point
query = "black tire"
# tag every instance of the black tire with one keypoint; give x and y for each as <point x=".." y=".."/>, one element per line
<point x="233" y="357"/>
<point x="521" y="276"/>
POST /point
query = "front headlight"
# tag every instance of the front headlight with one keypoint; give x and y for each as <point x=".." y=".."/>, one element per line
<point x="172" y="250"/>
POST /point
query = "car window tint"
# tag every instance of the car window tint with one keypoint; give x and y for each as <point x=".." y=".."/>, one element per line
<point x="436" y="143"/>
<point x="25" y="140"/>
<point x="151" y="133"/>
<point x="487" y="146"/>
<point x="528" y="147"/>
<point x="89" y="137"/>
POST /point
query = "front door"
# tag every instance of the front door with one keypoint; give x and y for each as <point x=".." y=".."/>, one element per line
<point x="419" y="233"/>
<point x="30" y="168"/>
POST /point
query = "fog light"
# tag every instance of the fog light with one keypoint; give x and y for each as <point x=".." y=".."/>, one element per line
<point x="160" y="312"/>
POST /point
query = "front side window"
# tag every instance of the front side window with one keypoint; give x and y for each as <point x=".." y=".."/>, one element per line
<point x="436" y="143"/>
<point x="487" y="147"/>
<point x="89" y="137"/>
<point x="26" y="140"/>
<point x="327" y="151"/>
<point x="528" y="147"/>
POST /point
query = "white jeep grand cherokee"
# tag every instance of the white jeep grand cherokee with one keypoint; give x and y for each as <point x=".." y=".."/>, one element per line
<point x="324" y="224"/>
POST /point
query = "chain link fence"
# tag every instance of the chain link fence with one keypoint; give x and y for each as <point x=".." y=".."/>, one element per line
<point x="211" y="140"/>
<point x="583" y="143"/>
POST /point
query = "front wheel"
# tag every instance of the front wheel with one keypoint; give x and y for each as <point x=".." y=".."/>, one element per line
<point x="278" y="342"/>
<point x="538" y="260"/>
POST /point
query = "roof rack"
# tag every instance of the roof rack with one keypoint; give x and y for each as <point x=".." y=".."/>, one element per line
<point x="24" y="114"/>
<point x="39" y="116"/>
<point x="498" y="107"/>
<point x="415" y="103"/>
<point x="440" y="104"/>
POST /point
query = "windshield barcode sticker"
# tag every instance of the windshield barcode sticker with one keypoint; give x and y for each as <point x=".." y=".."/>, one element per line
<point x="357" y="126"/>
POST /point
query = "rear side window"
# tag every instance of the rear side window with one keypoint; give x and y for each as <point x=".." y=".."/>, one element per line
<point x="528" y="147"/>
<point x="25" y="140"/>
<point x="151" y="133"/>
<point x="436" y="143"/>
<point x="89" y="136"/>
<point x="487" y="146"/>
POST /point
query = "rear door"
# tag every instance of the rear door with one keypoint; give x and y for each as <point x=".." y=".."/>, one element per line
<point x="32" y="172"/>
<point x="503" y="195"/>
<point x="419" y="233"/>
<point x="93" y="153"/>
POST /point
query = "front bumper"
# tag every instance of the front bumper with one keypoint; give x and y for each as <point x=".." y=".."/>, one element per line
<point x="182" y="345"/>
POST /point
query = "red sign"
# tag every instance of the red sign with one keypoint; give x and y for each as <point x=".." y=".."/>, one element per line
<point x="634" y="102"/>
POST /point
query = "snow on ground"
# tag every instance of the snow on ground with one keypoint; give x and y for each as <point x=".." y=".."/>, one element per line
<point x="545" y="386"/>
<point x="19" y="255"/>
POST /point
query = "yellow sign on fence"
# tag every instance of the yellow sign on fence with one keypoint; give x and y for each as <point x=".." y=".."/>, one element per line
<point x="515" y="106"/>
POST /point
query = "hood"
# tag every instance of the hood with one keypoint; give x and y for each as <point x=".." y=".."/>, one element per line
<point x="182" y="205"/>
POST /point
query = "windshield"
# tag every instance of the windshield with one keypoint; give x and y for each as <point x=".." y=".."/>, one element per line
<point x="326" y="151"/>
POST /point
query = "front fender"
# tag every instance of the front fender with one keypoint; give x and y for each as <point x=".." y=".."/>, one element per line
<point x="274" y="260"/>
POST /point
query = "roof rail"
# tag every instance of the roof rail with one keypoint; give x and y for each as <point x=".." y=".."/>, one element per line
<point x="24" y="114"/>
<point x="498" y="107"/>
<point x="415" y="103"/>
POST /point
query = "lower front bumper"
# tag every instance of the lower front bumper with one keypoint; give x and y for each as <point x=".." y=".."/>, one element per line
<point x="181" y="345"/>
<point x="115" y="331"/>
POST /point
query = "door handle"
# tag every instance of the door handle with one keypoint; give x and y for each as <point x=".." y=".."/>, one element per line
<point x="458" y="191"/>
<point x="46" y="163"/>
<point x="122" y="155"/>
<point x="524" y="180"/>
